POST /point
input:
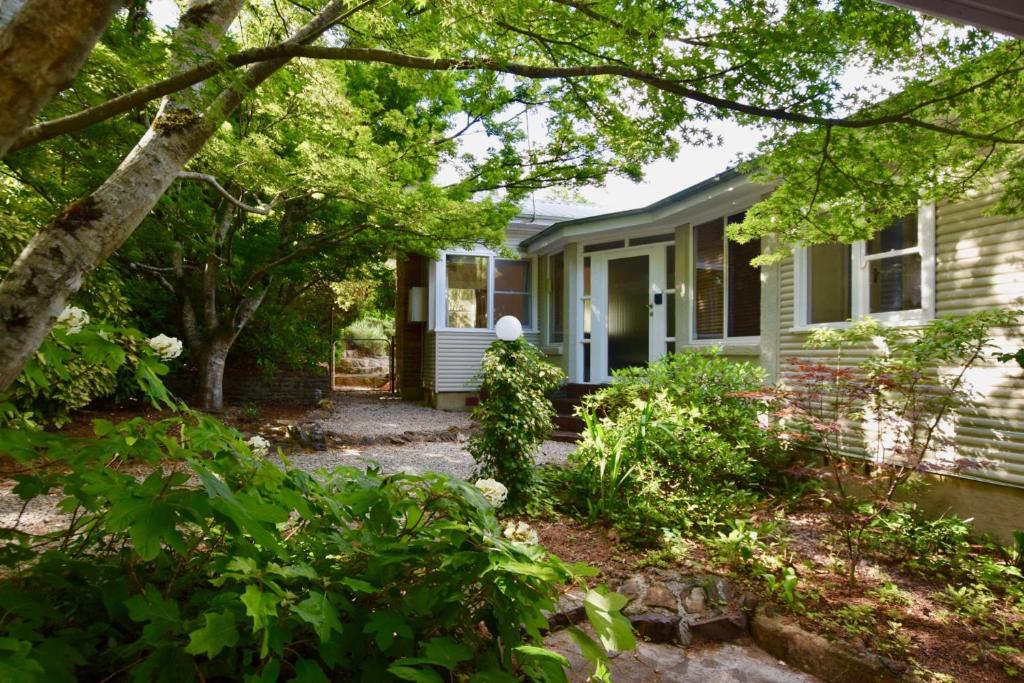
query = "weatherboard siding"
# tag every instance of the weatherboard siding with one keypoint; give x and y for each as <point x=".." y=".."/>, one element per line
<point x="455" y="357"/>
<point x="979" y="266"/>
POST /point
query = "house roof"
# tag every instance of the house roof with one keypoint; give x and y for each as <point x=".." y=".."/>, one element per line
<point x="643" y="213"/>
<point x="532" y="210"/>
<point x="1001" y="16"/>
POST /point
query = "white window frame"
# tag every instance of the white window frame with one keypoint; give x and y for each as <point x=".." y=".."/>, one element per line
<point x="440" y="301"/>
<point x="549" y="297"/>
<point x="694" y="340"/>
<point x="860" y="292"/>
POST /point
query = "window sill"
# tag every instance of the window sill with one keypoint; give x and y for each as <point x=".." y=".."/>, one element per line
<point x="552" y="349"/>
<point x="747" y="347"/>
<point x="915" y="318"/>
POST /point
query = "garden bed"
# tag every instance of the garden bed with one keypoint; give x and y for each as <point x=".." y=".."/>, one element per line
<point x="903" y="614"/>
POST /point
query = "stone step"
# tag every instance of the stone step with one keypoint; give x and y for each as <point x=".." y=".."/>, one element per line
<point x="569" y="423"/>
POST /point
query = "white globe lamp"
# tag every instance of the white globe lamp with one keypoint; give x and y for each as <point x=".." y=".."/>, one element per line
<point x="508" y="328"/>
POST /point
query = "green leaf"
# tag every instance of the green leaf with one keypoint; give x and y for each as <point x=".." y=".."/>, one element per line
<point x="408" y="673"/>
<point x="590" y="649"/>
<point x="259" y="606"/>
<point x="386" y="625"/>
<point x="318" y="611"/>
<point x="614" y="630"/>
<point x="308" y="671"/>
<point x="447" y="652"/>
<point x="535" y="652"/>
<point x="218" y="633"/>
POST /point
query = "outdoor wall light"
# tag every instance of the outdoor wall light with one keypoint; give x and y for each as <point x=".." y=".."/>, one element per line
<point x="508" y="328"/>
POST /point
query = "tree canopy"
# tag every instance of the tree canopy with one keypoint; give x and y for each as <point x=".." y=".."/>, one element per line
<point x="617" y="85"/>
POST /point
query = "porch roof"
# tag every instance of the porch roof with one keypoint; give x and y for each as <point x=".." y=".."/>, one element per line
<point x="688" y="205"/>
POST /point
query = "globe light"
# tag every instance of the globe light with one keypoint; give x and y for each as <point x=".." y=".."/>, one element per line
<point x="508" y="328"/>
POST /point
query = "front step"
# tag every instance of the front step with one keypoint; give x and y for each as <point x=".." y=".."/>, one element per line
<point x="569" y="426"/>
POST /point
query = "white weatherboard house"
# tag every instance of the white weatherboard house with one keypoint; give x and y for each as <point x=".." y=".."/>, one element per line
<point x="607" y="291"/>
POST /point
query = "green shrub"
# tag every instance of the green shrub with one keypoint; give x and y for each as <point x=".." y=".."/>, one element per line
<point x="514" y="413"/>
<point x="670" y="446"/>
<point x="265" y="573"/>
<point x="73" y="368"/>
<point x="368" y="336"/>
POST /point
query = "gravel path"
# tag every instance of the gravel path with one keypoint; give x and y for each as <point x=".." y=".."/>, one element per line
<point x="448" y="457"/>
<point x="369" y="414"/>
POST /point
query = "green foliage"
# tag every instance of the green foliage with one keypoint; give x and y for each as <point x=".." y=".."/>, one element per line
<point x="266" y="569"/>
<point x="369" y="336"/>
<point x="72" y="369"/>
<point x="666" y="446"/>
<point x="514" y="413"/>
<point x="783" y="587"/>
<point x="897" y="404"/>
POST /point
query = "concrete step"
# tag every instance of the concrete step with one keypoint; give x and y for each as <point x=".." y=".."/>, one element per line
<point x="569" y="423"/>
<point x="565" y="437"/>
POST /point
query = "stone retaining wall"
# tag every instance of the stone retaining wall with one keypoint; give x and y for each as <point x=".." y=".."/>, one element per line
<point x="251" y="387"/>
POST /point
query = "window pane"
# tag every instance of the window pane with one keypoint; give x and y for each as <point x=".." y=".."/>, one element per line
<point x="511" y="276"/>
<point x="556" y="304"/>
<point x="895" y="283"/>
<point x="709" y="265"/>
<point x="670" y="347"/>
<point x="467" y="290"/>
<point x="586" y="362"/>
<point x="744" y="290"/>
<point x="586" y="276"/>
<point x="512" y="290"/>
<point x="902" y="234"/>
<point x="828" y="283"/>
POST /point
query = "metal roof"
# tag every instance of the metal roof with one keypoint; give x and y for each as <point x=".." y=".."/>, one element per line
<point x="1000" y="16"/>
<point x="702" y="186"/>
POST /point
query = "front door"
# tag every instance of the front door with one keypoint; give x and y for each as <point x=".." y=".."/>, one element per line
<point x="627" y="316"/>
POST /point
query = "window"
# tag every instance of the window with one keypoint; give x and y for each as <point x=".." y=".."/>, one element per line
<point x="890" y="276"/>
<point x="466" y="278"/>
<point x="829" y="290"/>
<point x="512" y="290"/>
<point x="727" y="289"/>
<point x="480" y="289"/>
<point x="556" y="298"/>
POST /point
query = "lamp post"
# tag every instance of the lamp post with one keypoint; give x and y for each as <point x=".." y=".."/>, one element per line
<point x="508" y="328"/>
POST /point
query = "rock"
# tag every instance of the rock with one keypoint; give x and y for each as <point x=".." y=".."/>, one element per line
<point x="683" y="635"/>
<point x="310" y="435"/>
<point x="658" y="595"/>
<point x="696" y="602"/>
<point x="723" y="592"/>
<point x="634" y="587"/>
<point x="720" y="628"/>
<point x="831" y="661"/>
<point x="656" y="626"/>
<point x="568" y="611"/>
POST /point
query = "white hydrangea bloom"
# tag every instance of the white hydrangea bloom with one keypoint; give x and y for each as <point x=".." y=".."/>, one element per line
<point x="521" y="532"/>
<point x="73" y="318"/>
<point x="494" y="491"/>
<point x="259" y="446"/>
<point x="166" y="347"/>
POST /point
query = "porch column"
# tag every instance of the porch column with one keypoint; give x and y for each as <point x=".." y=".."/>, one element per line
<point x="573" y="311"/>
<point x="682" y="285"/>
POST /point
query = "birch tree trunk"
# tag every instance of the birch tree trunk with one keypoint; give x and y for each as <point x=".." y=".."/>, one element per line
<point x="43" y="44"/>
<point x="56" y="261"/>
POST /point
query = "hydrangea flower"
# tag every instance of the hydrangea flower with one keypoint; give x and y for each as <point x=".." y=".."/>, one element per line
<point x="73" y="319"/>
<point x="494" y="491"/>
<point x="260" y="446"/>
<point x="521" y="532"/>
<point x="166" y="347"/>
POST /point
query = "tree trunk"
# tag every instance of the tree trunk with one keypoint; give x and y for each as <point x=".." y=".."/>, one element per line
<point x="211" y="374"/>
<point x="43" y="44"/>
<point x="53" y="265"/>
